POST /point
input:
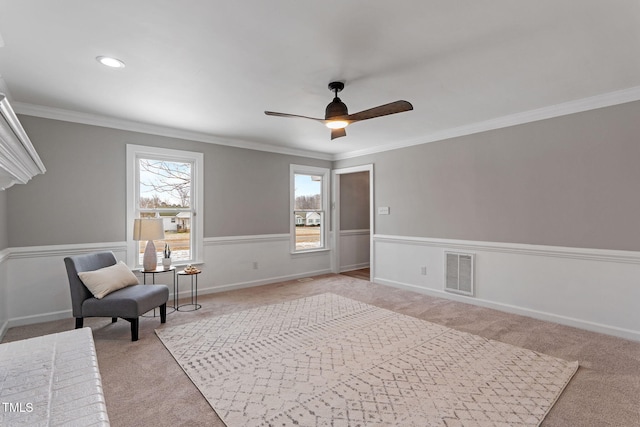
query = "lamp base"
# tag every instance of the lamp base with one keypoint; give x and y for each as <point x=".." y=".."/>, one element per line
<point x="150" y="260"/>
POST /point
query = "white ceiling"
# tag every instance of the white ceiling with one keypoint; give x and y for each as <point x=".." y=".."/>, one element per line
<point x="208" y="69"/>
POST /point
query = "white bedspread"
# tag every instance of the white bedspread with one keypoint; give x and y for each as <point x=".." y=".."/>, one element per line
<point x="51" y="380"/>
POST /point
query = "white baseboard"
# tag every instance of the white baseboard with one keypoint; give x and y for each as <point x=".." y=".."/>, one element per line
<point x="253" y="283"/>
<point x="39" y="318"/>
<point x="345" y="268"/>
<point x="549" y="317"/>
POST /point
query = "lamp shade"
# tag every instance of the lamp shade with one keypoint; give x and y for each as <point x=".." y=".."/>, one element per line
<point x="148" y="229"/>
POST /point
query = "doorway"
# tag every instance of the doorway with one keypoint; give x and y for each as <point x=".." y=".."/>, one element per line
<point x="362" y="274"/>
<point x="353" y="221"/>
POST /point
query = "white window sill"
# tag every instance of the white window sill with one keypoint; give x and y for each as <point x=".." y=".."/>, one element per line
<point x="310" y="251"/>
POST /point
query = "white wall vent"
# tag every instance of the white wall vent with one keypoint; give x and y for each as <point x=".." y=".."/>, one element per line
<point x="458" y="273"/>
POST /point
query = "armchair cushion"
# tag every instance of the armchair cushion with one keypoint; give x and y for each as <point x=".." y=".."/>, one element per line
<point x="132" y="301"/>
<point x="105" y="280"/>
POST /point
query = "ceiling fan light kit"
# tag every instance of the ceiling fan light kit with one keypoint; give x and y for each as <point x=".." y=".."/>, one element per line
<point x="337" y="116"/>
<point x="337" y="124"/>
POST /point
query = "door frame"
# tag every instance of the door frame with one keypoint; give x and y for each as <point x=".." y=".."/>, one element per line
<point x="335" y="215"/>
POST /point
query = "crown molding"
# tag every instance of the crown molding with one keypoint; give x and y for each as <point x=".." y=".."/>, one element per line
<point x="132" y="126"/>
<point x="19" y="161"/>
<point x="571" y="107"/>
<point x="576" y="106"/>
<point x="5" y="89"/>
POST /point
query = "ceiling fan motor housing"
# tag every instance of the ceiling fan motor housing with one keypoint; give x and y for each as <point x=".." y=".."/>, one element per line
<point x="336" y="108"/>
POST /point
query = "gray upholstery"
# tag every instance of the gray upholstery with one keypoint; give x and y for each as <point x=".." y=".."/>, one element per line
<point x="127" y="303"/>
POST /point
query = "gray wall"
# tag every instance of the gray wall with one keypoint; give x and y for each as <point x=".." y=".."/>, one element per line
<point x="4" y="236"/>
<point x="354" y="201"/>
<point x="569" y="181"/>
<point x="81" y="197"/>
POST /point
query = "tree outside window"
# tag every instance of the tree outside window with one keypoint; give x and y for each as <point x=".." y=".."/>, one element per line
<point x="168" y="184"/>
<point x="165" y="192"/>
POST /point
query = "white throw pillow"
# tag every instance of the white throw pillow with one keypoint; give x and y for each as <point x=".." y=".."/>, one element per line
<point x="106" y="280"/>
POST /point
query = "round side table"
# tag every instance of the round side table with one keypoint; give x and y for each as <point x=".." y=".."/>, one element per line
<point x="153" y="273"/>
<point x="194" y="294"/>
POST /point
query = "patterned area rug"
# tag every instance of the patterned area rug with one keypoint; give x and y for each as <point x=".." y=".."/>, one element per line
<point x="327" y="360"/>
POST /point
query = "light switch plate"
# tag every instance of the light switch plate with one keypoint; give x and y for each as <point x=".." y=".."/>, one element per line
<point x="383" y="210"/>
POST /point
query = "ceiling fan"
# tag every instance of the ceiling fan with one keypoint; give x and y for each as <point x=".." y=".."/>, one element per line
<point x="337" y="118"/>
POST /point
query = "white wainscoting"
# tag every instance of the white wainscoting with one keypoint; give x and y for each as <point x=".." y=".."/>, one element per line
<point x="36" y="287"/>
<point x="229" y="262"/>
<point x="354" y="249"/>
<point x="597" y="290"/>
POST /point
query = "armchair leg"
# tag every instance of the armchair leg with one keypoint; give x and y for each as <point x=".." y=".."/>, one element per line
<point x="163" y="313"/>
<point x="114" y="319"/>
<point x="79" y="322"/>
<point x="134" y="328"/>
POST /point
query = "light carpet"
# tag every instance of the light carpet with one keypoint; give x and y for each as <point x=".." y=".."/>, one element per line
<point x="330" y="360"/>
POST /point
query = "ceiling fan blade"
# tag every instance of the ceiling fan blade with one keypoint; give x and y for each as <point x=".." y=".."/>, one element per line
<point x="273" y="113"/>
<point x="382" y="110"/>
<point x="338" y="133"/>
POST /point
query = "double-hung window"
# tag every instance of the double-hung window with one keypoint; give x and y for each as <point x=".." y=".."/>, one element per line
<point x="309" y="203"/>
<point x="166" y="184"/>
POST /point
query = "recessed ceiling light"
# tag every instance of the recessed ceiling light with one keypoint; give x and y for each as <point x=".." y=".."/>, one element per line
<point x="110" y="62"/>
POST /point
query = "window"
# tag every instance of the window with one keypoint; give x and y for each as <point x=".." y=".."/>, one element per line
<point x="309" y="201"/>
<point x="166" y="184"/>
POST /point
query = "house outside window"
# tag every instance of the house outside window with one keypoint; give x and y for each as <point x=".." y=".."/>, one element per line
<point x="167" y="184"/>
<point x="309" y="201"/>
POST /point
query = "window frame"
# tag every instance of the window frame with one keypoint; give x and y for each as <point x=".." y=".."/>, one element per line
<point x="325" y="212"/>
<point x="135" y="152"/>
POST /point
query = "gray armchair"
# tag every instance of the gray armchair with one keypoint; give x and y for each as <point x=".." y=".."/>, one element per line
<point x="127" y="303"/>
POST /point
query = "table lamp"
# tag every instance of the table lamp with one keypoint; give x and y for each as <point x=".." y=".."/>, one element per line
<point x="149" y="229"/>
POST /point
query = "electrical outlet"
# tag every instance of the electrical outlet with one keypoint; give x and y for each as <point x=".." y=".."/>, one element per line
<point x="255" y="265"/>
<point x="423" y="270"/>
